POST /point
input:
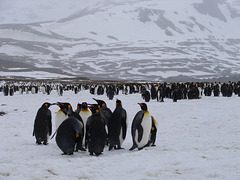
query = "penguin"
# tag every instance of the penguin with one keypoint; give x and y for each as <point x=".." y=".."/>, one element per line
<point x="69" y="135"/>
<point x="84" y="113"/>
<point x="141" y="128"/>
<point x="43" y="124"/>
<point x="117" y="127"/>
<point x="66" y="108"/>
<point x="105" y="113"/>
<point x="95" y="132"/>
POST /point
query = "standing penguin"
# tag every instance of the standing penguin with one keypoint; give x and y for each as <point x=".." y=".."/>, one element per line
<point x="106" y="114"/>
<point x="68" y="111"/>
<point x="43" y="124"/>
<point x="84" y="113"/>
<point x="141" y="128"/>
<point x="69" y="135"/>
<point x="117" y="127"/>
<point x="95" y="132"/>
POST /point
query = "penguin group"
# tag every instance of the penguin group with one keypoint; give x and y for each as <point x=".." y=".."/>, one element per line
<point x="93" y="127"/>
<point x="148" y="91"/>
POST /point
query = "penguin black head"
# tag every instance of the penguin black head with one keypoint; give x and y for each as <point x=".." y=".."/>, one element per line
<point x="84" y="105"/>
<point x="79" y="108"/>
<point x="65" y="107"/>
<point x="47" y="105"/>
<point x="143" y="106"/>
<point x="94" y="108"/>
<point x="118" y="102"/>
<point x="101" y="103"/>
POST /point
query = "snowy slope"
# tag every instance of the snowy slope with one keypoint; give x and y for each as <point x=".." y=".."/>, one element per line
<point x="197" y="139"/>
<point x="133" y="40"/>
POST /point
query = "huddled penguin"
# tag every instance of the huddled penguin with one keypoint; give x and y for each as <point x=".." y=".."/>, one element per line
<point x="141" y="128"/>
<point x="68" y="111"/>
<point x="105" y="112"/>
<point x="69" y="135"/>
<point x="84" y="113"/>
<point x="95" y="132"/>
<point x="117" y="127"/>
<point x="43" y="124"/>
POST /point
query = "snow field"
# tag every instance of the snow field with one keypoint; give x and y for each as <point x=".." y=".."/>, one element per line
<point x="196" y="139"/>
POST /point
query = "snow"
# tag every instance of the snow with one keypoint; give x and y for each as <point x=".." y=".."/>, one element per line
<point x="196" y="139"/>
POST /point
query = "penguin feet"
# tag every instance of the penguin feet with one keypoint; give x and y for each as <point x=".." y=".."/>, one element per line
<point x="110" y="148"/>
<point x="133" y="147"/>
<point x="97" y="153"/>
<point x="118" y="148"/>
<point x="45" y="143"/>
<point x="38" y="142"/>
<point x="81" y="149"/>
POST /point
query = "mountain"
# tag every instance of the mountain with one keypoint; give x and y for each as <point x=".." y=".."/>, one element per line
<point x="152" y="40"/>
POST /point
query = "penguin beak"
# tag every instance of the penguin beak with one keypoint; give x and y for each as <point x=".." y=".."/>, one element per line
<point x="59" y="104"/>
<point x="95" y="100"/>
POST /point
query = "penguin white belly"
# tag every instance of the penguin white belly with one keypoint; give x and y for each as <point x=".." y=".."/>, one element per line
<point x="60" y="117"/>
<point x="146" y="125"/>
<point x="84" y="115"/>
<point x="121" y="132"/>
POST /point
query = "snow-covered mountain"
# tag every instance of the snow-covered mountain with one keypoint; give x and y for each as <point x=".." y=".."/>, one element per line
<point x="120" y="39"/>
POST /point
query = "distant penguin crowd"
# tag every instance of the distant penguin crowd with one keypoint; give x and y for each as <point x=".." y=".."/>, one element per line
<point x="148" y="91"/>
<point x="93" y="127"/>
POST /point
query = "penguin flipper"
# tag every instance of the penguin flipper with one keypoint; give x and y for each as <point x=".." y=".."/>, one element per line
<point x="140" y="133"/>
<point x="124" y="128"/>
<point x="54" y="134"/>
<point x="50" y="123"/>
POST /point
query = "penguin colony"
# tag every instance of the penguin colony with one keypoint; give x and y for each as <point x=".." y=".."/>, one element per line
<point x="93" y="127"/>
<point x="148" y="91"/>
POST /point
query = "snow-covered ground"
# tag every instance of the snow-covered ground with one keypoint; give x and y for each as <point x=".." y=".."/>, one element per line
<point x="196" y="139"/>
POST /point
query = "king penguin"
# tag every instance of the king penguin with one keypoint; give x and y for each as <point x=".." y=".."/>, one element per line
<point x="43" y="124"/>
<point x="117" y="126"/>
<point x="66" y="108"/>
<point x="69" y="135"/>
<point x="95" y="132"/>
<point x="105" y="113"/>
<point x="141" y="128"/>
